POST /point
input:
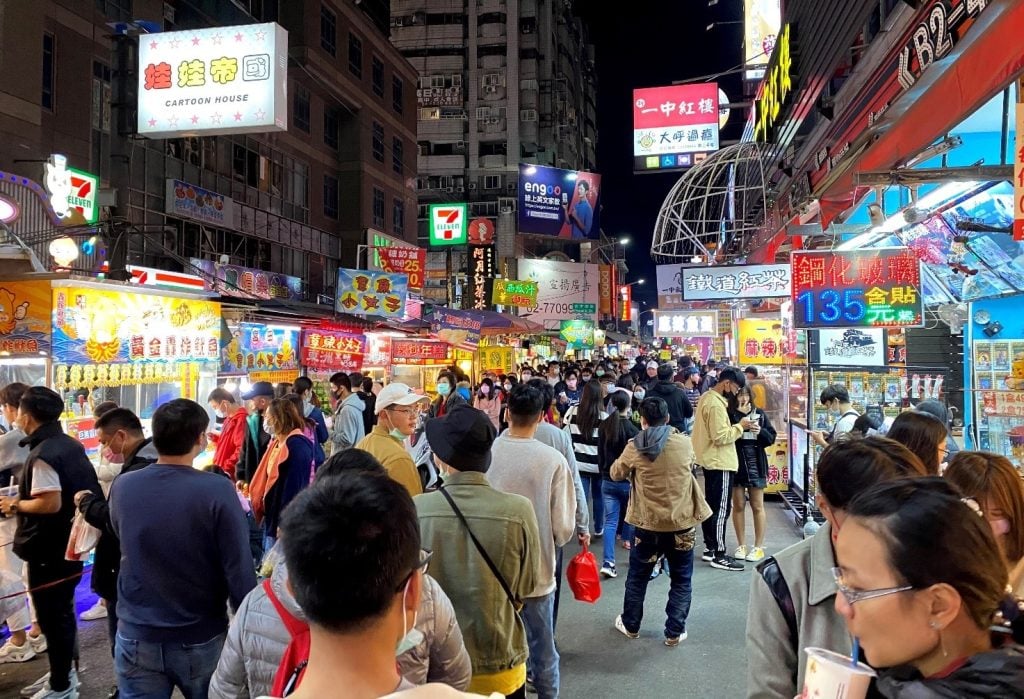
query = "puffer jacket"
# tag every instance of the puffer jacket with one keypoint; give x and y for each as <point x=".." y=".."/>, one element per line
<point x="995" y="673"/>
<point x="257" y="640"/>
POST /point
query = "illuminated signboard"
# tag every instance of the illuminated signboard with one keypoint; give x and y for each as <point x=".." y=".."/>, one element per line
<point x="449" y="224"/>
<point x="857" y="288"/>
<point x="762" y="20"/>
<point x="404" y="260"/>
<point x="578" y="334"/>
<point x="72" y="192"/>
<point x="686" y="323"/>
<point x="1018" y="174"/>
<point x="559" y="203"/>
<point x="481" y="277"/>
<point x="512" y="292"/>
<point x="734" y="282"/>
<point x="674" y="127"/>
<point x="419" y="352"/>
<point x="218" y="80"/>
<point x="776" y="89"/>
<point x="362" y="292"/>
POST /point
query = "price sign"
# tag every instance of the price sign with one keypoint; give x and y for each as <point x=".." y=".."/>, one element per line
<point x="512" y="292"/>
<point x="857" y="288"/>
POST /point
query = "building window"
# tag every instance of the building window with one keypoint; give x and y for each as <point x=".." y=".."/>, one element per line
<point x="328" y="31"/>
<point x="397" y="94"/>
<point x="355" y="55"/>
<point x="398" y="216"/>
<point x="378" y="208"/>
<point x="397" y="153"/>
<point x="492" y="181"/>
<point x="330" y="196"/>
<point x="378" y="142"/>
<point x="378" y="77"/>
<point x="100" y="122"/>
<point x="331" y="127"/>
<point x="48" y="68"/>
<point x="300" y="108"/>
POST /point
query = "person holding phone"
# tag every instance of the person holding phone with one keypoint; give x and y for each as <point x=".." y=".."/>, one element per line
<point x="752" y="475"/>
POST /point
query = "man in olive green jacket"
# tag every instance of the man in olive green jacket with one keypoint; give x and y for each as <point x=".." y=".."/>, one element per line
<point x="665" y="506"/>
<point x="506" y="528"/>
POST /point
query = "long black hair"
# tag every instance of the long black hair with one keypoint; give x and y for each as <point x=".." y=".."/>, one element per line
<point x="611" y="431"/>
<point x="588" y="412"/>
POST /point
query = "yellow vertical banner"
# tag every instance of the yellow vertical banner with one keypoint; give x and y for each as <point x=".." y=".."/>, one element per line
<point x="497" y="359"/>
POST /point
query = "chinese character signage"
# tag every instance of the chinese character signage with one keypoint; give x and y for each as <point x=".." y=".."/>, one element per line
<point x="404" y="260"/>
<point x="685" y="323"/>
<point x="72" y="192"/>
<point x="512" y="292"/>
<point x="763" y="19"/>
<point x="249" y="283"/>
<point x="626" y="302"/>
<point x="675" y="126"/>
<point x="448" y="224"/>
<point x="457" y="328"/>
<point x="419" y="352"/>
<point x="258" y="347"/>
<point x="764" y="341"/>
<point x="25" y="319"/>
<point x="857" y="288"/>
<point x="481" y="278"/>
<point x="496" y="359"/>
<point x="188" y="201"/>
<point x="560" y="287"/>
<point x="94" y="326"/>
<point x="776" y="88"/>
<point x="219" y="80"/>
<point x="370" y="293"/>
<point x="578" y="334"/>
<point x="559" y="203"/>
<point x="733" y="282"/>
<point x="333" y="350"/>
<point x="852" y="347"/>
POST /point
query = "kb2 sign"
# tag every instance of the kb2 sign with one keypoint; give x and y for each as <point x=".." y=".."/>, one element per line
<point x="936" y="35"/>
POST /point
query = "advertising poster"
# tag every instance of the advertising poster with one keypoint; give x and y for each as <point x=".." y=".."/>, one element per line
<point x="728" y="282"/>
<point x="404" y="260"/>
<point x="852" y="347"/>
<point x="857" y="288"/>
<point x="363" y="292"/>
<point x="685" y="323"/>
<point x="248" y="282"/>
<point x="559" y="203"/>
<point x="578" y="334"/>
<point x="564" y="289"/>
<point x="333" y="350"/>
<point x="189" y="201"/>
<point x="675" y="126"/>
<point x="93" y="326"/>
<point x="763" y="20"/>
<point x="457" y="328"/>
<point x="496" y="359"/>
<point x="763" y="342"/>
<point x="258" y="347"/>
<point x="513" y="292"/>
<point x="25" y="318"/>
<point x="670" y="287"/>
<point x="216" y="80"/>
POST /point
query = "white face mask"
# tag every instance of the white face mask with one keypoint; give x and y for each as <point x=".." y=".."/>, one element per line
<point x="413" y="637"/>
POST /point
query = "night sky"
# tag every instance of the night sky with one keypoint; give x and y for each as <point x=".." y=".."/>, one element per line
<point x="647" y="43"/>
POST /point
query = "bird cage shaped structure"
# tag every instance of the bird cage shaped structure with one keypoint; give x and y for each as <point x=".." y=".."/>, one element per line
<point x="714" y="209"/>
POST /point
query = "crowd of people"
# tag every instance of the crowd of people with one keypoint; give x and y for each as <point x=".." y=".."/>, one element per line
<point x="384" y="542"/>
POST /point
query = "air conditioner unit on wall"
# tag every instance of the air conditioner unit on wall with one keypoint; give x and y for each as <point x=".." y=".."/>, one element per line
<point x="472" y="186"/>
<point x="449" y="189"/>
<point x="511" y="187"/>
<point x="506" y="209"/>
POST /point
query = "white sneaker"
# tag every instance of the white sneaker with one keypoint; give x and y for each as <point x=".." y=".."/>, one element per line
<point x="740" y="553"/>
<point x="621" y="627"/>
<point x="96" y="611"/>
<point x="47" y="693"/>
<point x="38" y="643"/>
<point x="43" y="684"/>
<point x="608" y="570"/>
<point x="12" y="653"/>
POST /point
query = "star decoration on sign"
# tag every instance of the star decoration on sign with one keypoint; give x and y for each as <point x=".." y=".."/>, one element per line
<point x="175" y="43"/>
<point x="216" y="117"/>
<point x="260" y="36"/>
<point x="152" y="45"/>
<point x="238" y="36"/>
<point x="173" y="121"/>
<point x="260" y="114"/>
<point x="238" y="116"/>
<point x="195" y="41"/>
<point x="152" y="122"/>
<point x="217" y="38"/>
<point x="195" y="119"/>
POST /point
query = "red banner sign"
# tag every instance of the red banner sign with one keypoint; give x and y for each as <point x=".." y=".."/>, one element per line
<point x="421" y="352"/>
<point x="403" y="260"/>
<point x="333" y="350"/>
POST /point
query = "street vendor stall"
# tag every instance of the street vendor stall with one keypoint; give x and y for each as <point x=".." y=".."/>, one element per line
<point x="24" y="331"/>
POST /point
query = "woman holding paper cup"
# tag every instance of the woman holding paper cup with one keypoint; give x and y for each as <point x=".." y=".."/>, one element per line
<point x="920" y="578"/>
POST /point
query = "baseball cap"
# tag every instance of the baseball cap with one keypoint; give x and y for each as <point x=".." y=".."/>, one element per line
<point x="652" y="365"/>
<point x="396" y="394"/>
<point x="259" y="389"/>
<point x="462" y="438"/>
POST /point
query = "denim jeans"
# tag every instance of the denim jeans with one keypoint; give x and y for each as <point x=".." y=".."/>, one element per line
<point x="148" y="670"/>
<point x="616" y="499"/>
<point x="540" y="637"/>
<point x="677" y="548"/>
<point x="592" y="488"/>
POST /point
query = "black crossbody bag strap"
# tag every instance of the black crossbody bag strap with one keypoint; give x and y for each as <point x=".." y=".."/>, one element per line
<point x="773" y="578"/>
<point x="483" y="553"/>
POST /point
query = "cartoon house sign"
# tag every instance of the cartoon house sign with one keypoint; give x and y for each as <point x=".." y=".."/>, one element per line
<point x="73" y="193"/>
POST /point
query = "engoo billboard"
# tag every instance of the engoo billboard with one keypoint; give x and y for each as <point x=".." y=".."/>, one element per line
<point x="559" y="203"/>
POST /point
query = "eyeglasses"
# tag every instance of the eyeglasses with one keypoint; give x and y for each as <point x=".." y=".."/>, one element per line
<point x="421" y="567"/>
<point x="403" y="411"/>
<point x="853" y="596"/>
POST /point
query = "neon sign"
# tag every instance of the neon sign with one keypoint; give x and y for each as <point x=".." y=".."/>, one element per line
<point x="776" y="88"/>
<point x="858" y="288"/>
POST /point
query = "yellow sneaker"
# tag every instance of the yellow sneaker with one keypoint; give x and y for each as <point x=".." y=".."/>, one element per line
<point x="756" y="554"/>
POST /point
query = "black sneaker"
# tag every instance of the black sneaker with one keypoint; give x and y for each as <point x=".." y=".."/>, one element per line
<point x="726" y="563"/>
<point x="708" y="555"/>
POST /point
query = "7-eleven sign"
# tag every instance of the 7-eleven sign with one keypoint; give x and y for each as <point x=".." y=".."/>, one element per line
<point x="448" y="224"/>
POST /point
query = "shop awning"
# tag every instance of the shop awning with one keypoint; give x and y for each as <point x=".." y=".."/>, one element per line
<point x="612" y="337"/>
<point x="505" y="324"/>
<point x="984" y="62"/>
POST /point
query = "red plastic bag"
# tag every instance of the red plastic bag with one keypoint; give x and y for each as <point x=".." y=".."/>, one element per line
<point x="583" y="577"/>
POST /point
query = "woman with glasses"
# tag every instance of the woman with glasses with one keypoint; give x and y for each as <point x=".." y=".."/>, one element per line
<point x="921" y="579"/>
<point x="996" y="486"/>
<point x="792" y="594"/>
<point x="925" y="435"/>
